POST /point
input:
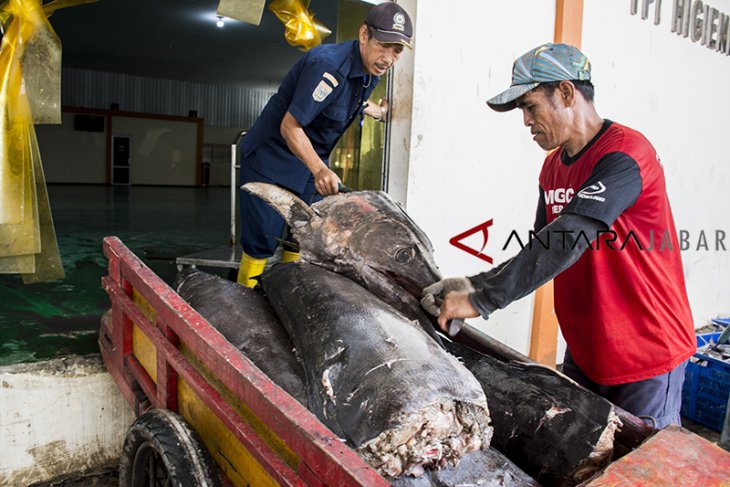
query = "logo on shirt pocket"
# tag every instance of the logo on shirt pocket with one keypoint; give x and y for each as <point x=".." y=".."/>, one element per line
<point x="322" y="91"/>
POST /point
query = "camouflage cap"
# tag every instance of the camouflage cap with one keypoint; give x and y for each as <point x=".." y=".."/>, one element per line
<point x="544" y="64"/>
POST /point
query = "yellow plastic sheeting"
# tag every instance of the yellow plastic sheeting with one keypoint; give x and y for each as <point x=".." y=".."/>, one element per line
<point x="248" y="11"/>
<point x="20" y="236"/>
<point x="51" y="7"/>
<point x="12" y="115"/>
<point x="48" y="265"/>
<point x="30" y="87"/>
<point x="301" y="29"/>
<point x="17" y="264"/>
<point x="41" y="67"/>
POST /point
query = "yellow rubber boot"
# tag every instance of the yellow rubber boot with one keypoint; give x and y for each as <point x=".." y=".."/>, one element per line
<point x="289" y="256"/>
<point x="250" y="270"/>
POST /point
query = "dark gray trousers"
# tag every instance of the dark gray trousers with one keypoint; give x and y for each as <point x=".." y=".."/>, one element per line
<point x="656" y="400"/>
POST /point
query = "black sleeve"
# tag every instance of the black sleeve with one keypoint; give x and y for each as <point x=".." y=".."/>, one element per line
<point x="540" y="215"/>
<point x="613" y="186"/>
<point x="560" y="245"/>
<point x="494" y="270"/>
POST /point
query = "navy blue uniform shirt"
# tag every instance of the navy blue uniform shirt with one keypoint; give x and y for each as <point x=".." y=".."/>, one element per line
<point x="324" y="91"/>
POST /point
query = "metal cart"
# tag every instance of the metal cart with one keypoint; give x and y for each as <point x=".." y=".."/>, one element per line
<point x="226" y="256"/>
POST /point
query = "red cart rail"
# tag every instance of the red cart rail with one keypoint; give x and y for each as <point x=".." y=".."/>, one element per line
<point x="163" y="354"/>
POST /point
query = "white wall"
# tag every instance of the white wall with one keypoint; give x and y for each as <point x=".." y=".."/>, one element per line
<point x="162" y="151"/>
<point x="219" y="135"/>
<point x="675" y="92"/>
<point x="467" y="163"/>
<point x="84" y="163"/>
<point x="58" y="417"/>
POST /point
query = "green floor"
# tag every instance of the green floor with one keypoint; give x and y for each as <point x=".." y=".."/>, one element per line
<point x="44" y="321"/>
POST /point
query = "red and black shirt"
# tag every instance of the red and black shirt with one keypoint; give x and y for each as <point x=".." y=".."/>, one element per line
<point x="622" y="307"/>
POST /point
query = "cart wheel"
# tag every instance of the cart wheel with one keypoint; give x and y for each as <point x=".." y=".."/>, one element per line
<point x="161" y="449"/>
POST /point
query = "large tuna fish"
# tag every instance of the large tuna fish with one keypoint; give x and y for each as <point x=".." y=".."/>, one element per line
<point x="557" y="431"/>
<point x="374" y="377"/>
<point x="484" y="468"/>
<point x="245" y="318"/>
<point x="366" y="236"/>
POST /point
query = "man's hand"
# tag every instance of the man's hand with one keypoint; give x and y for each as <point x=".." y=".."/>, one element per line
<point x="326" y="181"/>
<point x="433" y="295"/>
<point x="378" y="111"/>
<point x="455" y="305"/>
<point x="383" y="109"/>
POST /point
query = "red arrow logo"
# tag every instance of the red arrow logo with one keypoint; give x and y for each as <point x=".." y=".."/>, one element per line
<point x="482" y="227"/>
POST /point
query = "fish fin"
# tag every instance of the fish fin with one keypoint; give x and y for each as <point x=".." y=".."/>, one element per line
<point x="286" y="203"/>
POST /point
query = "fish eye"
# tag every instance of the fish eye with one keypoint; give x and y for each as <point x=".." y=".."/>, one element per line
<point x="404" y="255"/>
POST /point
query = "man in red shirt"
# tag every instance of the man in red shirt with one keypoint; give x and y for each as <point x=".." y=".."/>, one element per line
<point x="604" y="230"/>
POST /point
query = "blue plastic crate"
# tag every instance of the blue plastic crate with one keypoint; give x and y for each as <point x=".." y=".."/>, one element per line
<point x="721" y="321"/>
<point x="706" y="387"/>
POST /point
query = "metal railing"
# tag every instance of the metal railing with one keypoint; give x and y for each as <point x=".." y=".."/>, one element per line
<point x="234" y="184"/>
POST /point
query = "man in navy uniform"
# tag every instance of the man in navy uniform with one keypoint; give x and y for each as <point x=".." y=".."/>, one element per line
<point x="290" y="142"/>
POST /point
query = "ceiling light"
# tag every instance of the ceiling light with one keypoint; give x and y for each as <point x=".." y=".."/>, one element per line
<point x="220" y="23"/>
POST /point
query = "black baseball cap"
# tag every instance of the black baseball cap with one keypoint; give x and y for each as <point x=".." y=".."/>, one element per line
<point x="390" y="24"/>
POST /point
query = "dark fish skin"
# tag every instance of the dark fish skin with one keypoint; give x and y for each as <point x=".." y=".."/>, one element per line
<point x="366" y="236"/>
<point x="215" y="298"/>
<point x="408" y="481"/>
<point x="552" y="428"/>
<point x="372" y="375"/>
<point x="245" y="319"/>
<point x="485" y="468"/>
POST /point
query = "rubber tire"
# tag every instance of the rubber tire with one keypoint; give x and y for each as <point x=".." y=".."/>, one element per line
<point x="163" y="440"/>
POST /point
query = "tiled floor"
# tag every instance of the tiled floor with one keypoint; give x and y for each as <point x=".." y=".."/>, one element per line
<point x="48" y="320"/>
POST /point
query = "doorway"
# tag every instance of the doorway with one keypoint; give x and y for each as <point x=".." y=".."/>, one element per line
<point x="121" y="161"/>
